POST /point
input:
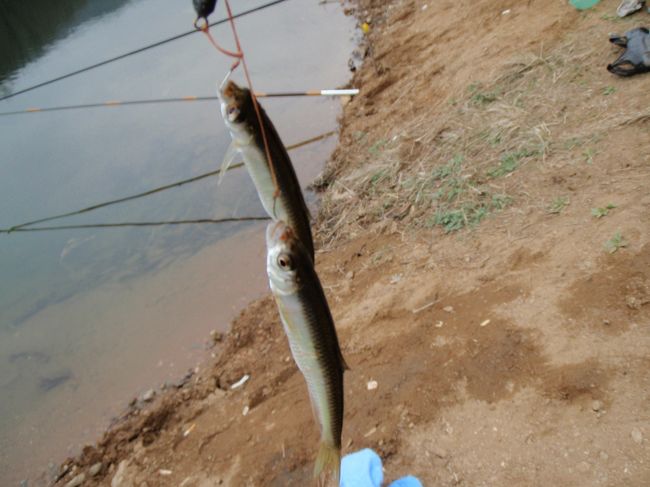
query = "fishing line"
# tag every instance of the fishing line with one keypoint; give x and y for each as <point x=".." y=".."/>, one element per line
<point x="239" y="55"/>
<point x="155" y="190"/>
<point x="136" y="51"/>
<point x="136" y="224"/>
<point x="255" y="105"/>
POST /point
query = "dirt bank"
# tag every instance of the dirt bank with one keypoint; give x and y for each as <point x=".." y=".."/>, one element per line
<point x="485" y="248"/>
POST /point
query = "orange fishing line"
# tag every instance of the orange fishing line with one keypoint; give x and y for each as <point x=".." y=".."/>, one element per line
<point x="239" y="55"/>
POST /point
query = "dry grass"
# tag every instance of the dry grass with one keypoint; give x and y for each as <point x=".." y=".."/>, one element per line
<point x="451" y="166"/>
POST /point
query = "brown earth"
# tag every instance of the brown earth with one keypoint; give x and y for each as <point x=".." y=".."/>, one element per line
<point x="470" y="273"/>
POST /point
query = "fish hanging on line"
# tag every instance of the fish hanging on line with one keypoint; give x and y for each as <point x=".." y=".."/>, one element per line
<point x="284" y="202"/>
<point x="314" y="345"/>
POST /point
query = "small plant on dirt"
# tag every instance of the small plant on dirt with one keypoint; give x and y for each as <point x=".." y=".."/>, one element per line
<point x="500" y="201"/>
<point x="601" y="212"/>
<point x="377" y="147"/>
<point x="572" y="143"/>
<point x="509" y="162"/>
<point x="558" y="204"/>
<point x="379" y="177"/>
<point x="451" y="220"/>
<point x="470" y="213"/>
<point x="609" y="90"/>
<point x="452" y="168"/>
<point x="494" y="140"/>
<point x="615" y="243"/>
<point x="359" y="134"/>
<point x="481" y="97"/>
<point x="589" y="155"/>
<point x="457" y="199"/>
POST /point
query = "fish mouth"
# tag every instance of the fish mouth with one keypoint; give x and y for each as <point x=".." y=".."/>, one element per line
<point x="228" y="91"/>
<point x="231" y="98"/>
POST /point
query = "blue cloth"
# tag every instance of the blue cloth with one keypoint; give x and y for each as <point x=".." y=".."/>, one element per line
<point x="409" y="481"/>
<point x="364" y="469"/>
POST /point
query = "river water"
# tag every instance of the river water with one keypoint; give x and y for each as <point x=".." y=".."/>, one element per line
<point x="90" y="318"/>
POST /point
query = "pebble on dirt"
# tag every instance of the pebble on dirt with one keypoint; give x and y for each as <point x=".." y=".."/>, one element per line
<point x="95" y="469"/>
<point x="77" y="481"/>
<point x="149" y="395"/>
<point x="637" y="436"/>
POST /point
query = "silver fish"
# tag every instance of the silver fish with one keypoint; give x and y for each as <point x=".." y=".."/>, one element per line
<point x="312" y="338"/>
<point x="288" y="203"/>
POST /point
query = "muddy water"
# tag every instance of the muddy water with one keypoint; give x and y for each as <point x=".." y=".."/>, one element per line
<point x="90" y="318"/>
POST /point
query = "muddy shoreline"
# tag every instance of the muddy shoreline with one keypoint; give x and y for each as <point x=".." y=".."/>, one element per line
<point x="505" y="322"/>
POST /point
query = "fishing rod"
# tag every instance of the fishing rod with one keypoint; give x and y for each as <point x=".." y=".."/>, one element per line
<point x="136" y="51"/>
<point x="151" y="101"/>
<point x="136" y="224"/>
<point x="23" y="226"/>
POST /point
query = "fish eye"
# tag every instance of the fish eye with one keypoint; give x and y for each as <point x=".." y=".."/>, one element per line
<point x="284" y="261"/>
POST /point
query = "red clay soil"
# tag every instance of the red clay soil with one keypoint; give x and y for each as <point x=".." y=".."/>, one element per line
<point x="485" y="248"/>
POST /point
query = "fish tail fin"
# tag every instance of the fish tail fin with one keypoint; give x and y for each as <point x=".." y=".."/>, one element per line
<point x="328" y="465"/>
<point x="231" y="153"/>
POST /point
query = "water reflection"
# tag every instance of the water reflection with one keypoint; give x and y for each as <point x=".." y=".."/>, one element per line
<point x="28" y="28"/>
<point x="89" y="317"/>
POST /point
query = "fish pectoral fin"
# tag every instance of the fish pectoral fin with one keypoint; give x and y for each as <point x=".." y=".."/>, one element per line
<point x="231" y="153"/>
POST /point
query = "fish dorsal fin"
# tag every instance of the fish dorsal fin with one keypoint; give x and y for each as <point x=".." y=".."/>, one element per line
<point x="231" y="153"/>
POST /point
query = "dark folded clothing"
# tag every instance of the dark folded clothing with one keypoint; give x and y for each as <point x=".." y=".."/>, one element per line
<point x="636" y="58"/>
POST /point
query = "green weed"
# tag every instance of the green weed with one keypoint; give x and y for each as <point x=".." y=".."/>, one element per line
<point x="481" y="97"/>
<point x="500" y="201"/>
<point x="377" y="147"/>
<point x="452" y="168"/>
<point x="455" y="219"/>
<point x="378" y="177"/>
<point x="615" y="243"/>
<point x="458" y="202"/>
<point x="589" y="154"/>
<point x="359" y="134"/>
<point x="609" y="90"/>
<point x="601" y="212"/>
<point x="509" y="162"/>
<point x="558" y="204"/>
<point x="470" y="214"/>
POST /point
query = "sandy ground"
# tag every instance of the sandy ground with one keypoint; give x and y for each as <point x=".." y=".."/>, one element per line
<point x="484" y="244"/>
